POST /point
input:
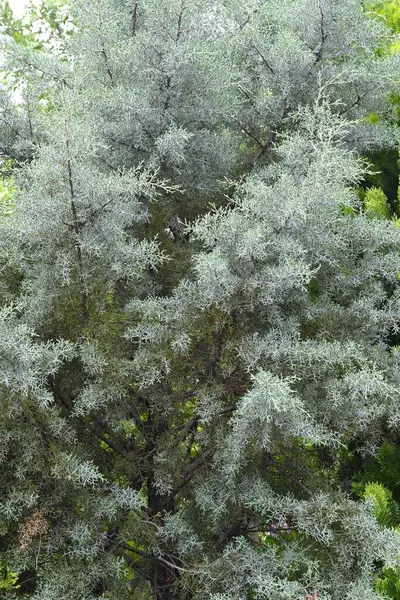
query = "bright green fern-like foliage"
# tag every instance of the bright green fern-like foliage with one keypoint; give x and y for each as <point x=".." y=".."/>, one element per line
<point x="386" y="508"/>
<point x="383" y="469"/>
<point x="8" y="579"/>
<point x="376" y="204"/>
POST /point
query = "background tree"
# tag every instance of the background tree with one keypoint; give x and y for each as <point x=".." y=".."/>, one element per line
<point x="26" y="81"/>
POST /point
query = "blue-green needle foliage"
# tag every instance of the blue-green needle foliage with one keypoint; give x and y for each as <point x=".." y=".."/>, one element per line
<point x="197" y="311"/>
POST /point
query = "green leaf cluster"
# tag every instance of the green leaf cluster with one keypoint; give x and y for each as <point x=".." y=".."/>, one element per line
<point x="8" y="579"/>
<point x="376" y="204"/>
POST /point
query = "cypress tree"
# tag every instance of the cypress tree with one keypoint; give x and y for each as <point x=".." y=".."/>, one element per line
<point x="199" y="315"/>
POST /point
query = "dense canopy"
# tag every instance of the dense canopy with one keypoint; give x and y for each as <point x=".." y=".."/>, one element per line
<point x="199" y="301"/>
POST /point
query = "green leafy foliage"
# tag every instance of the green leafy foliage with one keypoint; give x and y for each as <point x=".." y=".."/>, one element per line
<point x="389" y="584"/>
<point x="388" y="11"/>
<point x="43" y="24"/>
<point x="7" y="190"/>
<point x="386" y="161"/>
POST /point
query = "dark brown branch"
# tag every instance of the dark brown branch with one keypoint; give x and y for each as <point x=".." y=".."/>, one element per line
<point x="77" y="226"/>
<point x="355" y="103"/>
<point x="107" y="64"/>
<point x="170" y="564"/>
<point x="194" y="467"/>
<point x="248" y="18"/>
<point x="324" y="35"/>
<point x="135" y="16"/>
<point x="28" y="109"/>
<point x="178" y="35"/>
<point x="188" y="428"/>
<point x="50" y="75"/>
<point x="274" y="133"/>
<point x="147" y="132"/>
<point x="167" y="98"/>
<point x="97" y="210"/>
<point x="105" y="162"/>
<point x="129" y="144"/>
<point x="119" y="444"/>
<point x="264" y="60"/>
<point x="185" y="396"/>
<point x="180" y="16"/>
<point x="253" y="137"/>
<point x="101" y="436"/>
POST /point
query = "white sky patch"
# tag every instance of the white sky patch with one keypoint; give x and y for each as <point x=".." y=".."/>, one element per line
<point x="18" y="7"/>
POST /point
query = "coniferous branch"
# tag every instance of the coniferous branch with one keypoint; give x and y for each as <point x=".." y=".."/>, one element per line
<point x="77" y="225"/>
<point x="168" y="81"/>
<point x="324" y="35"/>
